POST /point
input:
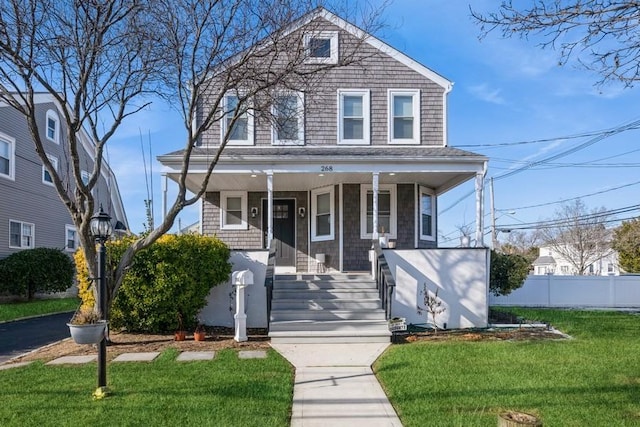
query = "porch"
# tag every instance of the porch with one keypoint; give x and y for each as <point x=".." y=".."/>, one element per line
<point x="324" y="206"/>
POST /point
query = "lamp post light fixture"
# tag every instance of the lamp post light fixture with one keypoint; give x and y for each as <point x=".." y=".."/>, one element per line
<point x="100" y="226"/>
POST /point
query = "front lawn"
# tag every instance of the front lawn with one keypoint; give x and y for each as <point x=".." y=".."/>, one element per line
<point x="593" y="379"/>
<point x="17" y="310"/>
<point x="226" y="391"/>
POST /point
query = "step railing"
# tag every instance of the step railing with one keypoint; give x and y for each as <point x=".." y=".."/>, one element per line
<point x="385" y="283"/>
<point x="269" y="279"/>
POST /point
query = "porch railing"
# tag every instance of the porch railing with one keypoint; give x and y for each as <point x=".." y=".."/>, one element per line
<point x="269" y="279"/>
<point x="384" y="280"/>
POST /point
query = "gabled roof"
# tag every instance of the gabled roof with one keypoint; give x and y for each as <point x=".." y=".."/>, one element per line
<point x="373" y="41"/>
<point x="544" y="260"/>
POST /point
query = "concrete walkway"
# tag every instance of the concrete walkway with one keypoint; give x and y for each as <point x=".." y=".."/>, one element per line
<point x="335" y="386"/>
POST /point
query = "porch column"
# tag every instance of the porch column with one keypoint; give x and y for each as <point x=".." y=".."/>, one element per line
<point x="269" y="209"/>
<point x="479" y="210"/>
<point x="164" y="195"/>
<point x="375" y="205"/>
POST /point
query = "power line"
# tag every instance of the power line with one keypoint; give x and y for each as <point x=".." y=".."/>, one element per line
<point x="538" y="141"/>
<point x="619" y="129"/>
<point x="570" y="199"/>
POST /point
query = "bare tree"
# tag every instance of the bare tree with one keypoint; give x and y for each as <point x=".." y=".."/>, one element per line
<point x="602" y="35"/>
<point x="578" y="235"/>
<point x="104" y="60"/>
<point x="522" y="243"/>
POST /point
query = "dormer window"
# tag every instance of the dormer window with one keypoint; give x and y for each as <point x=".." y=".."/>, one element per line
<point x="322" y="47"/>
<point x="53" y="127"/>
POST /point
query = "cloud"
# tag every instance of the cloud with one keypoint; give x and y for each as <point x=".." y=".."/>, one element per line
<point x="487" y="94"/>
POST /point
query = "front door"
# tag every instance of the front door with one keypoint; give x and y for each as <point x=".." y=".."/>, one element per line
<point x="284" y="230"/>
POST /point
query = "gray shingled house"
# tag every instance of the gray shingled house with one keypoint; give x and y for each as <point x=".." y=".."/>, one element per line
<point x="365" y="157"/>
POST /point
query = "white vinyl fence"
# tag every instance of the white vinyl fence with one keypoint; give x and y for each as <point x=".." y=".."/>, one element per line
<point x="574" y="291"/>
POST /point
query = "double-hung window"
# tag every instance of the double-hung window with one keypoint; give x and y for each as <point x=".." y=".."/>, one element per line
<point x="404" y="116"/>
<point x="427" y="214"/>
<point x="288" y="116"/>
<point x="71" y="238"/>
<point x="238" y="122"/>
<point x="7" y="157"/>
<point x="53" y="127"/>
<point x="322" y="214"/>
<point x="46" y="175"/>
<point x="21" y="235"/>
<point x="353" y="117"/>
<point x="386" y="211"/>
<point x="321" y="47"/>
<point x="233" y="210"/>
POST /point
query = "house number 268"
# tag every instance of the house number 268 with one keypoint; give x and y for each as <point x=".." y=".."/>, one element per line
<point x="326" y="168"/>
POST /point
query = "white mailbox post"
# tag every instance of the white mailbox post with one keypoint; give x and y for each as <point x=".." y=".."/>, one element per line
<point x="241" y="279"/>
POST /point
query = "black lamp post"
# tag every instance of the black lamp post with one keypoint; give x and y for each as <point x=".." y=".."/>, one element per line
<point x="100" y="226"/>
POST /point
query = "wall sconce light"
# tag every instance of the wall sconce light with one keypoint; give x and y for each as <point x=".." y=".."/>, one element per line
<point x="302" y="211"/>
<point x="254" y="212"/>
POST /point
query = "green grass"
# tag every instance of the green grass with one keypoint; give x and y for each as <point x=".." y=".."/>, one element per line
<point x="591" y="380"/>
<point x="17" y="310"/>
<point x="225" y="391"/>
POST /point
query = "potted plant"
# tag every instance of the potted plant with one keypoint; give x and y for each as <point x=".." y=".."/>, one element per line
<point x="180" y="333"/>
<point x="199" y="334"/>
<point x="86" y="327"/>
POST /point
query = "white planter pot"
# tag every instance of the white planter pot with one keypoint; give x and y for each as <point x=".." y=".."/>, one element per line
<point x="89" y="333"/>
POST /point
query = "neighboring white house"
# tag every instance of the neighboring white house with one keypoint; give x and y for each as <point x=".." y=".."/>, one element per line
<point x="551" y="261"/>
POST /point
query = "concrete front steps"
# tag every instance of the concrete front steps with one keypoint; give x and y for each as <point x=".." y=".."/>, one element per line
<point x="327" y="308"/>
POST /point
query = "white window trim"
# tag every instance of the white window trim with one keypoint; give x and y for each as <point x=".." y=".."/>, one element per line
<point x="428" y="192"/>
<point x="68" y="228"/>
<point x="334" y="42"/>
<point x="223" y="124"/>
<point x="415" y="93"/>
<point x="244" y="225"/>
<point x="54" y="162"/>
<point x="12" y="156"/>
<point x="52" y="115"/>
<point x="366" y="116"/>
<point x="274" y="130"/>
<point x="33" y="234"/>
<point x="314" y="211"/>
<point x="393" y="220"/>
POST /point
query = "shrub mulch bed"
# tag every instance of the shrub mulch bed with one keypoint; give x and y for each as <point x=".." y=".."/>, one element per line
<point x="121" y="342"/>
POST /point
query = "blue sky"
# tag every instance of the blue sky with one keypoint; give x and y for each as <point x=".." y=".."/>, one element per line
<point x="506" y="91"/>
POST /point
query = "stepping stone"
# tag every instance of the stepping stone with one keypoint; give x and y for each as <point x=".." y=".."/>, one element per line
<point x="252" y="354"/>
<point x="73" y="360"/>
<point x="13" y="365"/>
<point x="189" y="356"/>
<point x="137" y="357"/>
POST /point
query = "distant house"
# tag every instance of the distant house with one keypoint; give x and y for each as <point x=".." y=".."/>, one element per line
<point x="551" y="261"/>
<point x="31" y="212"/>
<point x="359" y="158"/>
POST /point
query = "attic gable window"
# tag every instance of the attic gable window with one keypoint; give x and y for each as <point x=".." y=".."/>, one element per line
<point x="321" y="47"/>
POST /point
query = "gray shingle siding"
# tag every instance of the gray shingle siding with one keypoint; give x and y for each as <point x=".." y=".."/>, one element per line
<point x="27" y="199"/>
<point x="375" y="71"/>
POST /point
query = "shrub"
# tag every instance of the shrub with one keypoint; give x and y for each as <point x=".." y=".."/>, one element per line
<point x="172" y="277"/>
<point x="36" y="270"/>
<point x="508" y="272"/>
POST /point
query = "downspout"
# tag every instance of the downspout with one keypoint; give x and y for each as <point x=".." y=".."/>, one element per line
<point x="445" y="115"/>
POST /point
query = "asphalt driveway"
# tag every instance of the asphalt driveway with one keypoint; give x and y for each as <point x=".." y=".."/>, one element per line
<point x="22" y="336"/>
